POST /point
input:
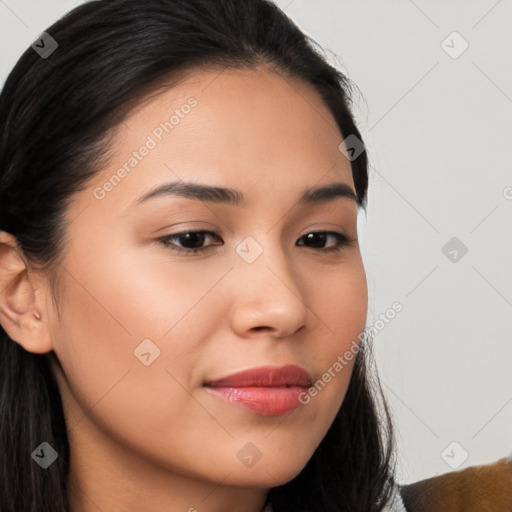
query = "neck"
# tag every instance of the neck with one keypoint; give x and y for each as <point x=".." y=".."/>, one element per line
<point x="140" y="484"/>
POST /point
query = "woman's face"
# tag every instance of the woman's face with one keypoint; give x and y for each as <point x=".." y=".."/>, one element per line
<point x="142" y="326"/>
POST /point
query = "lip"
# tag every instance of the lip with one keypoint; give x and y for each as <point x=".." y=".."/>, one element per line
<point x="265" y="376"/>
<point x="266" y="390"/>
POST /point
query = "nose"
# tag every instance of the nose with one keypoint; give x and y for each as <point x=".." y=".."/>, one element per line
<point x="269" y="297"/>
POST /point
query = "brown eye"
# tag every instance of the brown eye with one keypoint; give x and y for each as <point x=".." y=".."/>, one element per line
<point x="190" y="241"/>
<point x="318" y="238"/>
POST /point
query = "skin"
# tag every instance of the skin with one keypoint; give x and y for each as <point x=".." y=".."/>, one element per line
<point x="151" y="437"/>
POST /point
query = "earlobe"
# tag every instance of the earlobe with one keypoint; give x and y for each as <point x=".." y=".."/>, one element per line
<point x="20" y="316"/>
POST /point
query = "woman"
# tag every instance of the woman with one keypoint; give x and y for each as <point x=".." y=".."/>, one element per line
<point x="183" y="299"/>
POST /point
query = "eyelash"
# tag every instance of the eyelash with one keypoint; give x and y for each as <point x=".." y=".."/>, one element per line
<point x="342" y="240"/>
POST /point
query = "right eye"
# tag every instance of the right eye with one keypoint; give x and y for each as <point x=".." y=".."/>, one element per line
<point x="190" y="238"/>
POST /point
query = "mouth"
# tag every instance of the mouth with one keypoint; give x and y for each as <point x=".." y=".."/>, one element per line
<point x="268" y="390"/>
<point x="265" y="376"/>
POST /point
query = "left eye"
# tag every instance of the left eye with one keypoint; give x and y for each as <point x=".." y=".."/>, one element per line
<point x="197" y="238"/>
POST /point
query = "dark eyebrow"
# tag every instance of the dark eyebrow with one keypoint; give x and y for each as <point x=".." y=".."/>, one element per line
<point x="230" y="196"/>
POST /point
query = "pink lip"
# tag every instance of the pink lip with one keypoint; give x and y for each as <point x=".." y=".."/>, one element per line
<point x="267" y="390"/>
<point x="265" y="376"/>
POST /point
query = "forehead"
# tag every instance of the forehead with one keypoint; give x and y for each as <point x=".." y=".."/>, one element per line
<point x="245" y="129"/>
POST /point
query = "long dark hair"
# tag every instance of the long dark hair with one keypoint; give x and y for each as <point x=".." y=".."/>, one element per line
<point x="58" y="114"/>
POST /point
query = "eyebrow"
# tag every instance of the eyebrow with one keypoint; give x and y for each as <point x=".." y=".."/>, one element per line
<point x="230" y="196"/>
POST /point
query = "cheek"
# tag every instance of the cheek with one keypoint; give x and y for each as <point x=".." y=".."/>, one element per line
<point x="115" y="313"/>
<point x="341" y="306"/>
<point x="144" y="407"/>
<point x="341" y="303"/>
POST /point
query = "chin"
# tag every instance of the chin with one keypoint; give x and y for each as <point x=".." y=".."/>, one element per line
<point x="267" y="475"/>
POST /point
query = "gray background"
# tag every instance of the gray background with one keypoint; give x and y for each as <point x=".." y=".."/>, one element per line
<point x="438" y="131"/>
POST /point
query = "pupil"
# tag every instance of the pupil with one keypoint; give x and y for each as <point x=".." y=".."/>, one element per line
<point x="195" y="238"/>
<point x="319" y="238"/>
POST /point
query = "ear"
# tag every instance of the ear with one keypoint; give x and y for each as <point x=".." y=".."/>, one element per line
<point x="22" y="309"/>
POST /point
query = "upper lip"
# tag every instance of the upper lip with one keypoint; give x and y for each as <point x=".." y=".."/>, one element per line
<point x="265" y="376"/>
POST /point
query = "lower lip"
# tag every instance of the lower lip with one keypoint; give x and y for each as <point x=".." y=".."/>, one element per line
<point x="266" y="401"/>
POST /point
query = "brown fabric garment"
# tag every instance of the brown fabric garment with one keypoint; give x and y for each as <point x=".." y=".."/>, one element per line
<point x="486" y="488"/>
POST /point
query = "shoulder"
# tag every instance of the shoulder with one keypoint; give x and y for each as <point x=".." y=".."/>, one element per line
<point x="472" y="489"/>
